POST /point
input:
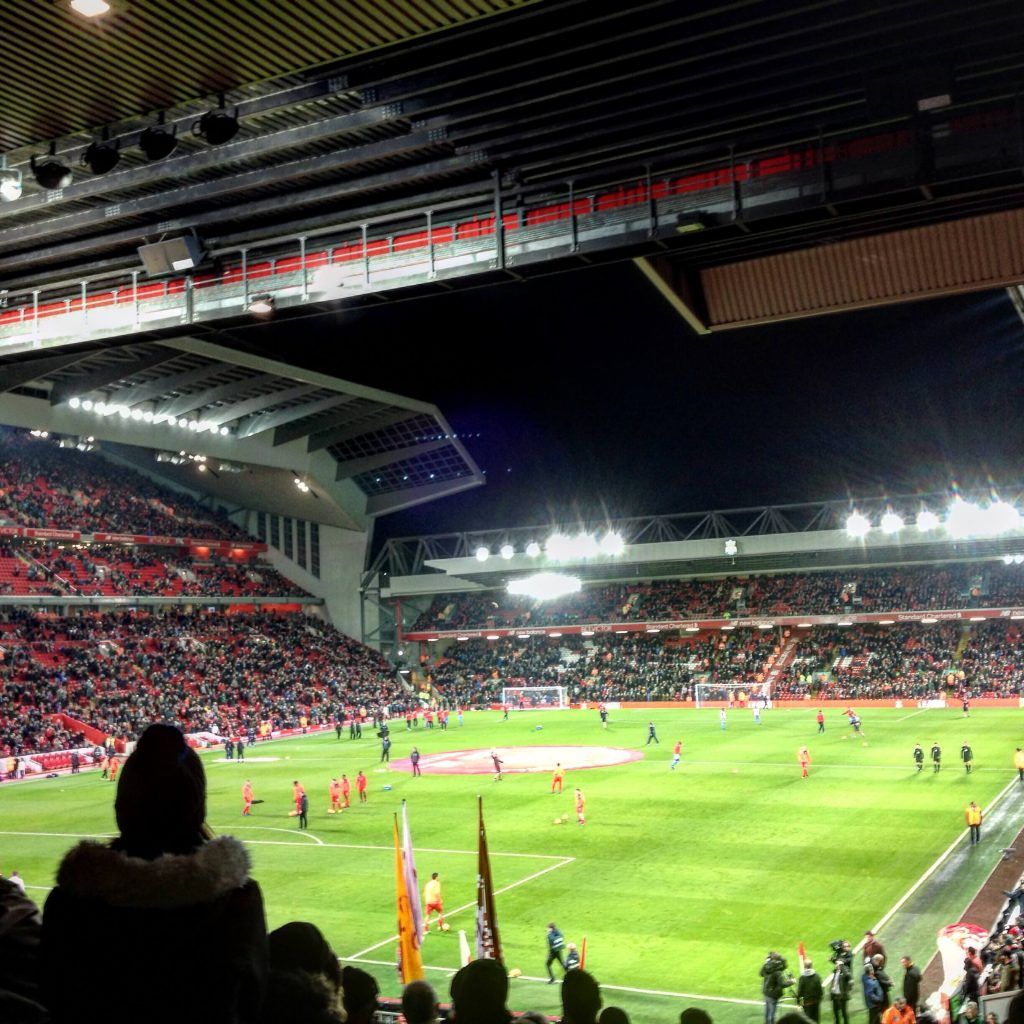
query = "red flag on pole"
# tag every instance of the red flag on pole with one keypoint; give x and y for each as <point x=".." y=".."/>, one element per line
<point x="802" y="954"/>
<point x="488" y="942"/>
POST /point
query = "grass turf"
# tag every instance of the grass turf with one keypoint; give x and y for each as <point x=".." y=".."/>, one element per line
<point x="681" y="881"/>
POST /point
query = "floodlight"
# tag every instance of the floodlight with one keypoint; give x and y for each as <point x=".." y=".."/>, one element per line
<point x="102" y="157"/>
<point x="49" y="171"/>
<point x="217" y="126"/>
<point x="10" y="185"/>
<point x="558" y="547"/>
<point x="544" y="586"/>
<point x="1007" y="559"/>
<point x="90" y="8"/>
<point x="892" y="522"/>
<point x="927" y="520"/>
<point x="1002" y="517"/>
<point x="1018" y="559"/>
<point x="964" y="519"/>
<point x="857" y="525"/>
<point x="532" y="549"/>
<point x="507" y="551"/>
<point x="584" y="545"/>
<point x="482" y="554"/>
<point x="261" y="305"/>
<point x="612" y="543"/>
<point x="157" y="141"/>
<point x="75" y="402"/>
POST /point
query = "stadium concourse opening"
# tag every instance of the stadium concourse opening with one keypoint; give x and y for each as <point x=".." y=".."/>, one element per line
<point x="517" y="760"/>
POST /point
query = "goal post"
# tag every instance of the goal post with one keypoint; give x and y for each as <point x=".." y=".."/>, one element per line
<point x="741" y="695"/>
<point x="534" y="698"/>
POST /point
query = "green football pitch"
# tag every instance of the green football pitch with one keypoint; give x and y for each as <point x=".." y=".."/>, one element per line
<point x="680" y="880"/>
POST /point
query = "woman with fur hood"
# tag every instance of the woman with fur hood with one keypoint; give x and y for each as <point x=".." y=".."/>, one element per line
<point x="164" y="923"/>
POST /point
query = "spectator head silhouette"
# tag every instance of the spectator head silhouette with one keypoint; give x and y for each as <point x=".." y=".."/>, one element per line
<point x="581" y="998"/>
<point x="616" y="1015"/>
<point x="305" y="980"/>
<point x="694" y="1015"/>
<point x="361" y="991"/>
<point x="161" y="796"/>
<point x="419" y="1003"/>
<point x="479" y="991"/>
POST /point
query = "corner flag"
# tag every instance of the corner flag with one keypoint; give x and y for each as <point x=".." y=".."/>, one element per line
<point x="410" y="966"/>
<point x="488" y="942"/>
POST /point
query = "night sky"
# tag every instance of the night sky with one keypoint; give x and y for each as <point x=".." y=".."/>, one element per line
<point x="592" y="398"/>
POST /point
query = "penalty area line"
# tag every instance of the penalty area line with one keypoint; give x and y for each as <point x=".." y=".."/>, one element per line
<point x="466" y="906"/>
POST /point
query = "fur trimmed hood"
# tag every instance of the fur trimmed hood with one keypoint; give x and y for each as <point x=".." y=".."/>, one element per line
<point x="95" y="871"/>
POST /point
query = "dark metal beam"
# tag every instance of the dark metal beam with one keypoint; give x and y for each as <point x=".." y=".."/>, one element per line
<point x="109" y="374"/>
<point x="364" y="425"/>
<point x="237" y="214"/>
<point x="353" y="467"/>
<point x="189" y="194"/>
<point x="13" y="375"/>
<point x="294" y="431"/>
<point x="270" y="420"/>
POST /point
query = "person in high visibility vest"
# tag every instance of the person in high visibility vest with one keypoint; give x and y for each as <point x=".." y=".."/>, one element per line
<point x="899" y="1013"/>
<point x="973" y="815"/>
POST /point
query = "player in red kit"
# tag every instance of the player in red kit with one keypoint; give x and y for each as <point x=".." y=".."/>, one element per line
<point x="556" y="779"/>
<point x="361" y="787"/>
<point x="805" y="761"/>
<point x="297" y="794"/>
<point x="581" y="804"/>
<point x="246" y="798"/>
<point x="346" y="788"/>
<point x="335" y="797"/>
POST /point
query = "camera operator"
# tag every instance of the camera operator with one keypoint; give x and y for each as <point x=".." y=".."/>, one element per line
<point x="774" y="983"/>
<point x="841" y="981"/>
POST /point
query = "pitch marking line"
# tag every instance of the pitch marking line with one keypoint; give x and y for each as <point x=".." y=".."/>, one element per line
<point x="919" y="711"/>
<point x="604" y="987"/>
<point x="824" y="765"/>
<point x="228" y="829"/>
<point x="562" y="862"/>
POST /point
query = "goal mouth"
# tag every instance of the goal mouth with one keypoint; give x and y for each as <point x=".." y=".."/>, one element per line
<point x="520" y="760"/>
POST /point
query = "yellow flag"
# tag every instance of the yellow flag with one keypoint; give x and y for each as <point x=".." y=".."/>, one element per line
<point x="410" y="965"/>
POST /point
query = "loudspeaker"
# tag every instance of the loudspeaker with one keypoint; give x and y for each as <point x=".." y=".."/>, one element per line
<point x="173" y="255"/>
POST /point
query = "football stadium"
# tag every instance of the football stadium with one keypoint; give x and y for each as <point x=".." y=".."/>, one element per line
<point x="450" y="565"/>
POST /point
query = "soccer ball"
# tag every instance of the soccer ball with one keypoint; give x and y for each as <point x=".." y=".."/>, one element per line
<point x="515" y="973"/>
<point x="558" y="821"/>
<point x="446" y="927"/>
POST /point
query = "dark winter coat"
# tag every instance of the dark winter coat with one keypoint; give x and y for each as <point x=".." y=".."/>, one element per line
<point x="181" y="937"/>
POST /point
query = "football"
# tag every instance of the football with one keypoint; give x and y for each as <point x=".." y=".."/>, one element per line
<point x="446" y="927"/>
<point x="558" y="821"/>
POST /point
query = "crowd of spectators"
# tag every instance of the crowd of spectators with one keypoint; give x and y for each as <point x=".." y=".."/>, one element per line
<point x="108" y="570"/>
<point x="43" y="485"/>
<point x="907" y="661"/>
<point x="924" y="588"/>
<point x="226" y="674"/>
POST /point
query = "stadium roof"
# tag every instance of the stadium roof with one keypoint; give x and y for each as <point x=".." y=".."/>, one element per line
<point x="262" y="424"/>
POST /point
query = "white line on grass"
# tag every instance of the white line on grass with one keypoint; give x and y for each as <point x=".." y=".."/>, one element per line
<point x="273" y="828"/>
<point x="604" y="987"/>
<point x="919" y="711"/>
<point x="458" y="910"/>
<point x="794" y="765"/>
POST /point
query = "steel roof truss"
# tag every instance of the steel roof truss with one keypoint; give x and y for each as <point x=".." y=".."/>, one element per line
<point x="188" y="402"/>
<point x="264" y="421"/>
<point x="353" y="467"/>
<point x="365" y="425"/>
<point x="109" y="374"/>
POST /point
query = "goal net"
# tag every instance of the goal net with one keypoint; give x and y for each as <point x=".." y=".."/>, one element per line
<point x="732" y="695"/>
<point x="534" y="698"/>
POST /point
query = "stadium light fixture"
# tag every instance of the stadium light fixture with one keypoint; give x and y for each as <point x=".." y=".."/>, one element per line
<point x="50" y="171"/>
<point x="482" y="553"/>
<point x="532" y="549"/>
<point x="584" y="545"/>
<point x="1002" y="517"/>
<point x="507" y="551"/>
<point x="964" y="519"/>
<point x="857" y="525"/>
<point x="217" y="126"/>
<point x="559" y="547"/>
<point x="10" y="182"/>
<point x="545" y="586"/>
<point x="927" y="520"/>
<point x="612" y="544"/>
<point x="90" y="8"/>
<point x="102" y="156"/>
<point x="892" y="522"/>
<point x="158" y="141"/>
<point x="261" y="305"/>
